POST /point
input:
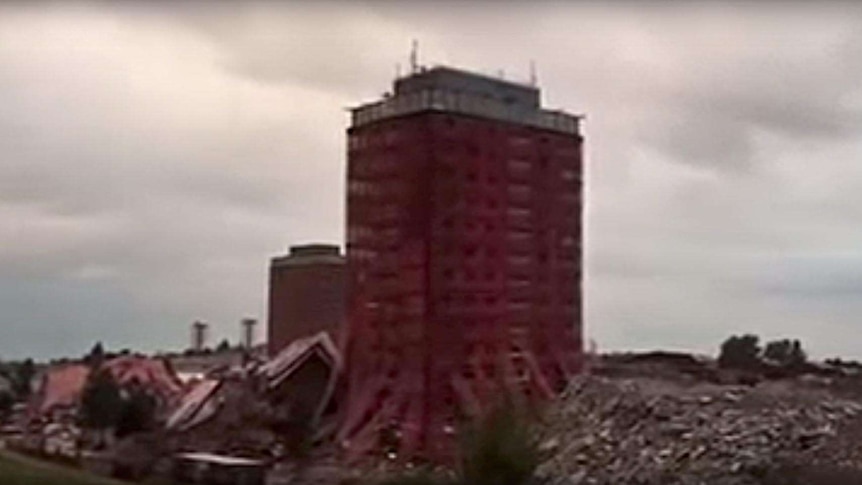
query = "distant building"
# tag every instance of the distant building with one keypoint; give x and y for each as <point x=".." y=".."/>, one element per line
<point x="464" y="251"/>
<point x="306" y="293"/>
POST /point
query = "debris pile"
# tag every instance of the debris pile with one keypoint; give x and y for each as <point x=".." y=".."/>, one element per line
<point x="644" y="431"/>
<point x="262" y="411"/>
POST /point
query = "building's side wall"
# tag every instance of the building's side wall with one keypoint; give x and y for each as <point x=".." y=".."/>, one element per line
<point x="505" y="256"/>
<point x="304" y="299"/>
<point x="387" y="214"/>
<point x="463" y="249"/>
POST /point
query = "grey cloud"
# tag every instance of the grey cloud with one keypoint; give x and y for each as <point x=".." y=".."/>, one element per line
<point x="334" y="47"/>
<point x="821" y="277"/>
<point x="153" y="157"/>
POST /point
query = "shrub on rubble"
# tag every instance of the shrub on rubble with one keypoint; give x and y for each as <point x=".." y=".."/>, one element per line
<point x="499" y="449"/>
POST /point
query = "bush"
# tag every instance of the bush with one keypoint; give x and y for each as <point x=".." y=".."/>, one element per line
<point x="101" y="401"/>
<point x="499" y="450"/>
<point x="740" y="352"/>
<point x="745" y="353"/>
<point x="785" y="352"/>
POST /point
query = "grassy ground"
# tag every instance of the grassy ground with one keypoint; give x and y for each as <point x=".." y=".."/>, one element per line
<point x="19" y="470"/>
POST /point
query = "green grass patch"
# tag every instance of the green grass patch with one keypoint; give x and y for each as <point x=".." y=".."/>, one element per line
<point x="20" y="470"/>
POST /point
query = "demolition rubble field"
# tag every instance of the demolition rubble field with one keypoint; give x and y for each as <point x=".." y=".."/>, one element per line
<point x="654" y="430"/>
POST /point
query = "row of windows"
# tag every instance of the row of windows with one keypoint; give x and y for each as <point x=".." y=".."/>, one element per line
<point x="469" y="139"/>
<point x="367" y="177"/>
<point x="359" y="243"/>
<point x="374" y="166"/>
<point x="357" y="233"/>
<point x="467" y="142"/>
<point x="519" y="216"/>
<point x="356" y="141"/>
<point x="468" y="303"/>
<point x="526" y="277"/>
<point x="519" y="243"/>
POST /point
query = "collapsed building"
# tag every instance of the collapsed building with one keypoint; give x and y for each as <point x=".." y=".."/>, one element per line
<point x="61" y="388"/>
<point x="53" y="415"/>
<point x="263" y="410"/>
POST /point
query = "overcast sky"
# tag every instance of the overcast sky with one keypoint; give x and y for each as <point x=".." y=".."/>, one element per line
<point x="154" y="156"/>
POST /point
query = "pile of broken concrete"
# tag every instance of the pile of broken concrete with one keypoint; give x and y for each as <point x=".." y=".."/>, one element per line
<point x="643" y="431"/>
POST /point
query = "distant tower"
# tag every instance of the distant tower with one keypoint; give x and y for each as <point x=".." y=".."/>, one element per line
<point x="464" y="256"/>
<point x="306" y="293"/>
<point x="199" y="335"/>
<point x="248" y="325"/>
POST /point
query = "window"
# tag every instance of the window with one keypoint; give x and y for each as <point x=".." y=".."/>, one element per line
<point x="353" y="142"/>
<point x="519" y="141"/>
<point x="518" y="237"/>
<point x="519" y="191"/>
<point x="518" y="166"/>
<point x="518" y="213"/>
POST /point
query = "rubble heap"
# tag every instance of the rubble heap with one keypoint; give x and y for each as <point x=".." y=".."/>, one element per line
<point x="642" y="431"/>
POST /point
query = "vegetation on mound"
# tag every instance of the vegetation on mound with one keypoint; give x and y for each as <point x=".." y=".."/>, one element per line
<point x="15" y="470"/>
<point x="500" y="449"/>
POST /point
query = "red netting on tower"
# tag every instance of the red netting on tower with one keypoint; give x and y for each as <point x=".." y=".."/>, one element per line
<point x="464" y="257"/>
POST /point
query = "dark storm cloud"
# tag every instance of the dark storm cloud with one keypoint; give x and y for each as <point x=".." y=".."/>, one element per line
<point x="154" y="156"/>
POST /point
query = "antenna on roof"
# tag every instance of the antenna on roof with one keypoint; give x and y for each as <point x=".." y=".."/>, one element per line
<point x="414" y="57"/>
<point x="397" y="70"/>
<point x="533" y="79"/>
<point x="501" y="74"/>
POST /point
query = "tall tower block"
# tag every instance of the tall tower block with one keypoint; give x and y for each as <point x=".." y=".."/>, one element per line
<point x="464" y="254"/>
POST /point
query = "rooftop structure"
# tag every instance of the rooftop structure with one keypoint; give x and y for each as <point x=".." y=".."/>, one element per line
<point x="444" y="89"/>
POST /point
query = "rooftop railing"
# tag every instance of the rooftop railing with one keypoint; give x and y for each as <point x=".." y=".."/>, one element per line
<point x="464" y="103"/>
